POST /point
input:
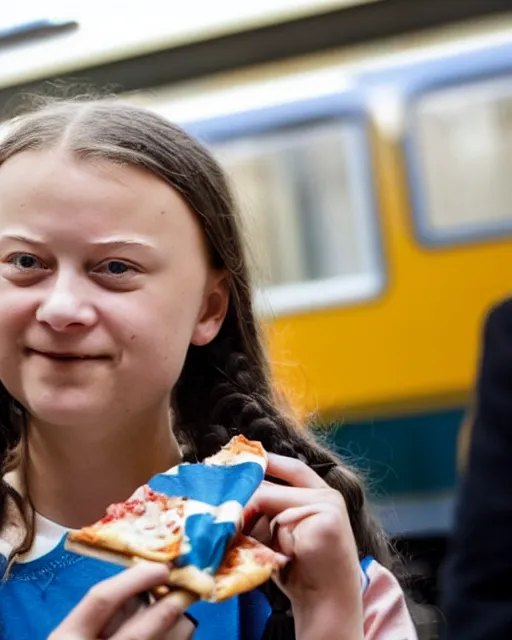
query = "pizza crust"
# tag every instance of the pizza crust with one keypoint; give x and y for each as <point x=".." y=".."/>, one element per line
<point x="106" y="540"/>
<point x="98" y="554"/>
<point x="237" y="451"/>
<point x="192" y="579"/>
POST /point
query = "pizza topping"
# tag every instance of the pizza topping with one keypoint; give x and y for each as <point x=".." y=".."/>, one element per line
<point x="247" y="551"/>
<point x="149" y="503"/>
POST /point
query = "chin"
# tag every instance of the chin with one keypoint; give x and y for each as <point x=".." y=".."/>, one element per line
<point x="66" y="409"/>
<point x="64" y="418"/>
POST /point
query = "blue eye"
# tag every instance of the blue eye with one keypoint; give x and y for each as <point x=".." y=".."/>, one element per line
<point x="25" y="262"/>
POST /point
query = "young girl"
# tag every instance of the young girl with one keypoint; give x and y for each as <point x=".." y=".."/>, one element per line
<point x="128" y="343"/>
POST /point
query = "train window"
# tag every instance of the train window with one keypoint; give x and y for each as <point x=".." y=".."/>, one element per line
<point x="306" y="201"/>
<point x="464" y="141"/>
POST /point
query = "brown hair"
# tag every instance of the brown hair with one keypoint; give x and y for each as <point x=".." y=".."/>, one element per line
<point x="225" y="387"/>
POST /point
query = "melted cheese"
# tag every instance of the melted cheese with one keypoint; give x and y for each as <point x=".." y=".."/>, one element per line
<point x="155" y="528"/>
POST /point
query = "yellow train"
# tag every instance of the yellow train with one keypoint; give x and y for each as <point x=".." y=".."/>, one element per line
<point x="374" y="185"/>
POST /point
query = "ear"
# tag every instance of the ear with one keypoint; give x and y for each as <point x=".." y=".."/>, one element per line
<point x="213" y="310"/>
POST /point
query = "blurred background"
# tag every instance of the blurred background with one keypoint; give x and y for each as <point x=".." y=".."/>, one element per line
<point x="369" y="145"/>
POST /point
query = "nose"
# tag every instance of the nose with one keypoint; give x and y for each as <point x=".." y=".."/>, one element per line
<point x="66" y="305"/>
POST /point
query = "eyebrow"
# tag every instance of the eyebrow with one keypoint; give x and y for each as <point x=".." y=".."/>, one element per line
<point x="116" y="243"/>
<point x="113" y="243"/>
<point x="20" y="238"/>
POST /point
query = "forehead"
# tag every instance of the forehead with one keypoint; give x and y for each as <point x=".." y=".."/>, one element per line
<point x="56" y="194"/>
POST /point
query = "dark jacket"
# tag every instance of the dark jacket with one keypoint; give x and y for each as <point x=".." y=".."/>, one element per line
<point x="477" y="584"/>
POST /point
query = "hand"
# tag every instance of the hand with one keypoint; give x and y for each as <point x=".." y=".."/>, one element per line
<point x="310" y="524"/>
<point x="99" y="609"/>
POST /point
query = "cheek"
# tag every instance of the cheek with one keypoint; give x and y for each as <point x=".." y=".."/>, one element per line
<point x="158" y="338"/>
<point x="14" y="320"/>
<point x="154" y="366"/>
<point x="16" y="313"/>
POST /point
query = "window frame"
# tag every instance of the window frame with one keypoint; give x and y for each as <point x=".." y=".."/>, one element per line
<point x="424" y="79"/>
<point x="310" y="295"/>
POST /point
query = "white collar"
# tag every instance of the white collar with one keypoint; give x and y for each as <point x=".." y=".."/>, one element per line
<point x="47" y="536"/>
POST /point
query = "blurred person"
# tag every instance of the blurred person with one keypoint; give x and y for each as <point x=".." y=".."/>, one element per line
<point x="477" y="584"/>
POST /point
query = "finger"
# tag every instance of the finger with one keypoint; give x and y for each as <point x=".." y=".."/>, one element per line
<point x="273" y="499"/>
<point x="294" y="515"/>
<point x="283" y="525"/>
<point x="155" y="622"/>
<point x="126" y="611"/>
<point x="294" y="471"/>
<point x="91" y="615"/>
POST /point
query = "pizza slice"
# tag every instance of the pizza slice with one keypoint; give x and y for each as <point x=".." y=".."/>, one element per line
<point x="148" y="526"/>
<point x="152" y="526"/>
<point x="247" y="565"/>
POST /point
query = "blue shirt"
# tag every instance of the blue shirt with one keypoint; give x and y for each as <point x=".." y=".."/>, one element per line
<point x="38" y="595"/>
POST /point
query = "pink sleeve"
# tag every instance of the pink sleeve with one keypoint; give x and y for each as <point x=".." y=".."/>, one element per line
<point x="386" y="616"/>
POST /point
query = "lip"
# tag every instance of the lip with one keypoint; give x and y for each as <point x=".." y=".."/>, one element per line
<point x="65" y="356"/>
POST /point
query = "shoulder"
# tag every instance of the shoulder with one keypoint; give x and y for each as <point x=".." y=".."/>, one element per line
<point x="386" y="616"/>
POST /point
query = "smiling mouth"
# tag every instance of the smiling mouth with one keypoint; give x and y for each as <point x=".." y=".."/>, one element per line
<point x="69" y="357"/>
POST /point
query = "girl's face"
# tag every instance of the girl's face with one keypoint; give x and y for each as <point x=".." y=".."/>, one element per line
<point x="104" y="283"/>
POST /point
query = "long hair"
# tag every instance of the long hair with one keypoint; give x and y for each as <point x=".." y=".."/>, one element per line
<point x="225" y="387"/>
